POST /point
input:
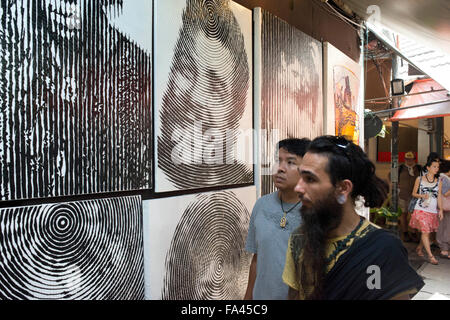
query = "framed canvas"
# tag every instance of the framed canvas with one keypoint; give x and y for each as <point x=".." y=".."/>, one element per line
<point x="203" y="94"/>
<point x="289" y="86"/>
<point x="85" y="250"/>
<point x="76" y="91"/>
<point x="195" y="245"/>
<point x="343" y="107"/>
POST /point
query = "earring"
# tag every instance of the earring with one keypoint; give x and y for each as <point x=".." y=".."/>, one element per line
<point x="341" y="199"/>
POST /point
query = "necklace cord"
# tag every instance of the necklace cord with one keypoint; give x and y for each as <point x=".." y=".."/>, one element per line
<point x="283" y="220"/>
<point x="281" y="202"/>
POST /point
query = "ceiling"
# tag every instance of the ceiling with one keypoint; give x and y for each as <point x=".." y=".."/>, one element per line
<point x="416" y="30"/>
<point x="425" y="21"/>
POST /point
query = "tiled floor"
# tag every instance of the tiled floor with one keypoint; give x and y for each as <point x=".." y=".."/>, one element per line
<point x="436" y="277"/>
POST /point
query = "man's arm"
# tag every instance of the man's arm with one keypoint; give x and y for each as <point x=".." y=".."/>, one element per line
<point x="251" y="279"/>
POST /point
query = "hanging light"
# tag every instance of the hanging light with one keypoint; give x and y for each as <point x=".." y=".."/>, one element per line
<point x="397" y="87"/>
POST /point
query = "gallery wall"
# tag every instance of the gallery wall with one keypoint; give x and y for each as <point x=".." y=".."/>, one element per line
<point x="130" y="142"/>
<point x="76" y="120"/>
<point x="315" y="19"/>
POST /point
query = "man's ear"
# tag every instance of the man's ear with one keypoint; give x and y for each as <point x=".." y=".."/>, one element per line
<point x="344" y="187"/>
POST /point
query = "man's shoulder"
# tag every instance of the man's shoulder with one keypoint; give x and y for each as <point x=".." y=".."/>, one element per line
<point x="262" y="204"/>
<point x="387" y="236"/>
<point x="266" y="199"/>
<point x="374" y="238"/>
<point x="386" y="240"/>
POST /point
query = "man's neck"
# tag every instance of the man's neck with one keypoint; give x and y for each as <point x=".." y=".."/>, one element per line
<point x="350" y="220"/>
<point x="288" y="196"/>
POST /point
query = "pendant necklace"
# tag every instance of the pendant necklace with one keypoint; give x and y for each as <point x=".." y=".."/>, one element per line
<point x="283" y="221"/>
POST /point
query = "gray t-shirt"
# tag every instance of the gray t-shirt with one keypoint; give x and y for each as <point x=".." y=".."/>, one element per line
<point x="269" y="241"/>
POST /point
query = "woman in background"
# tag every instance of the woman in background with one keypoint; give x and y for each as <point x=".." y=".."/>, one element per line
<point x="443" y="233"/>
<point x="425" y="214"/>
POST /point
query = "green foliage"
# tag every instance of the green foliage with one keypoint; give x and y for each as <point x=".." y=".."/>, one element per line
<point x="386" y="212"/>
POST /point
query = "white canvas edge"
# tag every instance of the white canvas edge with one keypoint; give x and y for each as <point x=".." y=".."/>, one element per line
<point x="257" y="87"/>
<point x="162" y="62"/>
<point x="160" y="219"/>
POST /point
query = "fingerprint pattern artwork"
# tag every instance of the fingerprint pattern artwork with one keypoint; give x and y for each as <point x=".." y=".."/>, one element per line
<point x="291" y="88"/>
<point x="207" y="257"/>
<point x="75" y="100"/>
<point x="205" y="99"/>
<point x="75" y="250"/>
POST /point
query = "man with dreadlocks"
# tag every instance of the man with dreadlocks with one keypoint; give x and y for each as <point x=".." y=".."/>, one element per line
<point x="337" y="254"/>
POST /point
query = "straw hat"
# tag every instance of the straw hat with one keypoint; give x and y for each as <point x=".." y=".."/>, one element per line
<point x="410" y="155"/>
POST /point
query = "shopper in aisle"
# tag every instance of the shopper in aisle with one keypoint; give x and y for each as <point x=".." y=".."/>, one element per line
<point x="425" y="216"/>
<point x="273" y="219"/>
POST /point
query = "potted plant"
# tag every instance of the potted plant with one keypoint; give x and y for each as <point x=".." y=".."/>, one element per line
<point x="387" y="214"/>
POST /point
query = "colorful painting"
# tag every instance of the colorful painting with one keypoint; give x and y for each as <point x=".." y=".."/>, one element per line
<point x="342" y="88"/>
<point x="345" y="103"/>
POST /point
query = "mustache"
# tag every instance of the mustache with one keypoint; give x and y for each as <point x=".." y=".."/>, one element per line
<point x="324" y="216"/>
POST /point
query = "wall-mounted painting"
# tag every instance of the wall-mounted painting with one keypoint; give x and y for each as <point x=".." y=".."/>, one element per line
<point x="195" y="245"/>
<point x="203" y="94"/>
<point x="291" y="87"/>
<point x="342" y="83"/>
<point x="86" y="250"/>
<point x="75" y="95"/>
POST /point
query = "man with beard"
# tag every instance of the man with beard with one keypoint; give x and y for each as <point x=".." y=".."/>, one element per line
<point x="275" y="216"/>
<point x="337" y="254"/>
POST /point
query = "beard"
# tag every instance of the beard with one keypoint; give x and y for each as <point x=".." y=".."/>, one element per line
<point x="317" y="222"/>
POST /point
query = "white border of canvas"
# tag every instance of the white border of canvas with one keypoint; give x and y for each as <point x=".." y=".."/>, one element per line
<point x="160" y="220"/>
<point x="164" y="47"/>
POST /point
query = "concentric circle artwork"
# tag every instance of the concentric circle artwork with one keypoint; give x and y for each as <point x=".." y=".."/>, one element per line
<point x="75" y="250"/>
<point x="207" y="257"/>
<point x="194" y="245"/>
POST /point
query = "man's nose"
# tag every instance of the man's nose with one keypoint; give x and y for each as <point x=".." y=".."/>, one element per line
<point x="281" y="167"/>
<point x="299" y="187"/>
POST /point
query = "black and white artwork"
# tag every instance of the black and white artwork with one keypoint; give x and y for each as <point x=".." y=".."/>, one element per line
<point x="203" y="94"/>
<point x="195" y="245"/>
<point x="89" y="250"/>
<point x="75" y="97"/>
<point x="291" y="88"/>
